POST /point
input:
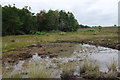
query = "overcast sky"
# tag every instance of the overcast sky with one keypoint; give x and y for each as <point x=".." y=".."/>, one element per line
<point x="87" y="12"/>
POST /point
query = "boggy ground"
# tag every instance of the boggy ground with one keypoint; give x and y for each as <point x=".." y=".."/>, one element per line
<point x="43" y="50"/>
<point x="101" y="42"/>
<point x="51" y="55"/>
<point x="53" y="44"/>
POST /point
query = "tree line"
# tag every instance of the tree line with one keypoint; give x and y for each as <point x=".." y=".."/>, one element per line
<point x="17" y="21"/>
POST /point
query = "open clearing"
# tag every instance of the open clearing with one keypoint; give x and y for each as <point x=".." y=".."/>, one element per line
<point x="107" y="37"/>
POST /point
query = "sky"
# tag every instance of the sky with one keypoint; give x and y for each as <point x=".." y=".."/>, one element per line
<point x="87" y="12"/>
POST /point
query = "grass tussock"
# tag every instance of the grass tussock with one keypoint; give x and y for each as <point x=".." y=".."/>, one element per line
<point x="112" y="66"/>
<point x="112" y="70"/>
<point x="90" y="70"/>
<point x="110" y="74"/>
<point x="68" y="70"/>
<point x="40" y="71"/>
<point x="88" y="66"/>
<point x="92" y="74"/>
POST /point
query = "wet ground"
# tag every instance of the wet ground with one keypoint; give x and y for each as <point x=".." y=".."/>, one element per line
<point x="58" y="58"/>
<point x="101" y="55"/>
<point x="43" y="50"/>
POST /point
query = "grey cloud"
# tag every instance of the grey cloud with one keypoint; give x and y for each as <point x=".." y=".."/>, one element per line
<point x="88" y="12"/>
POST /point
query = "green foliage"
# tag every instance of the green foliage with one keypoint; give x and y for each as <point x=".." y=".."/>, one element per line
<point x="62" y="33"/>
<point x="40" y="33"/>
<point x="37" y="32"/>
<point x="32" y="32"/>
<point x="100" y="28"/>
<point x="82" y="26"/>
<point x="90" y="30"/>
<point x="55" y="31"/>
<point x="11" y="20"/>
<point x="16" y="21"/>
<point x="22" y="21"/>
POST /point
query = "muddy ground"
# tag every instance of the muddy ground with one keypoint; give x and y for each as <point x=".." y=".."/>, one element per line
<point x="51" y="49"/>
<point x="103" y="43"/>
<point x="43" y="50"/>
<point x="59" y="48"/>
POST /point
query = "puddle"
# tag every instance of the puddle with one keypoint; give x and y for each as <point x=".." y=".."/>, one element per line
<point x="17" y="68"/>
<point x="101" y="55"/>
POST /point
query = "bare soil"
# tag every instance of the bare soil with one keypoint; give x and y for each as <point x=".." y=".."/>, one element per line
<point x="43" y="50"/>
<point x="103" y="43"/>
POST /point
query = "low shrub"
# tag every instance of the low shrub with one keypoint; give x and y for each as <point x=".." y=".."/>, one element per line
<point x="62" y="33"/>
<point x="99" y="28"/>
<point x="37" y="32"/>
<point x="89" y="30"/>
<point x="40" y="33"/>
<point x="32" y="32"/>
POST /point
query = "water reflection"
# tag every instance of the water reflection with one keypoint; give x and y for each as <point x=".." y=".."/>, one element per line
<point x="100" y="55"/>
